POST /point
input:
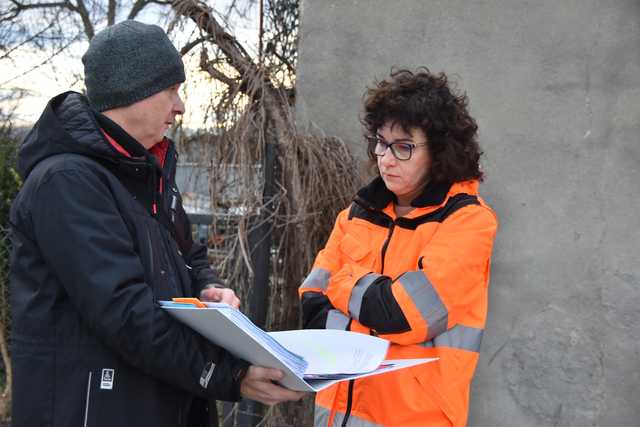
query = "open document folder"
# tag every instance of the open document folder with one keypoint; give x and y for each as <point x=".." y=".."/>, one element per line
<point x="311" y="359"/>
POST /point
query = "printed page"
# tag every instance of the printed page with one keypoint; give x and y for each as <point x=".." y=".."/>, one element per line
<point x="387" y="366"/>
<point x="333" y="352"/>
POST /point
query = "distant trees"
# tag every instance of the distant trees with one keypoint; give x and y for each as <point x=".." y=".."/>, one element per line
<point x="53" y="27"/>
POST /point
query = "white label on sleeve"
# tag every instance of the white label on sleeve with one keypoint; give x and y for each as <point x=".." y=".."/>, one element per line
<point x="106" y="383"/>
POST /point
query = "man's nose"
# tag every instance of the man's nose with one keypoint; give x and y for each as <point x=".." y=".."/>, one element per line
<point x="178" y="107"/>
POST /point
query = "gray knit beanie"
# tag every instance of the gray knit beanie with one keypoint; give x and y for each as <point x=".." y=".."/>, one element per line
<point x="128" y="62"/>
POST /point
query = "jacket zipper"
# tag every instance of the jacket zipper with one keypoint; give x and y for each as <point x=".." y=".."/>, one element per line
<point x="349" y="403"/>
<point x="386" y="244"/>
<point x="352" y="382"/>
<point x="151" y="258"/>
<point x="156" y="191"/>
<point x="170" y="193"/>
<point x="176" y="272"/>
<point x="159" y="194"/>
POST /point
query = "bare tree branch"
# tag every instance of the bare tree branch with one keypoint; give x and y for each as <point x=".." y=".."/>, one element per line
<point x="141" y="4"/>
<point x="204" y="19"/>
<point x="255" y="82"/>
<point x="81" y="10"/>
<point x="21" y="7"/>
<point x="136" y="8"/>
<point x="111" y="12"/>
<point x="242" y="12"/>
<point x="205" y="65"/>
<point x="28" y="40"/>
<point x="261" y="32"/>
<point x="49" y="58"/>
<point x="193" y="43"/>
<point x="290" y="67"/>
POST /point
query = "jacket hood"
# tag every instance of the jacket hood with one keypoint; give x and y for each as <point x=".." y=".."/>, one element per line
<point x="67" y="125"/>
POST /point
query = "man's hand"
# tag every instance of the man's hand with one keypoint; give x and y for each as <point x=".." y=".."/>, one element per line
<point x="258" y="385"/>
<point x="226" y="295"/>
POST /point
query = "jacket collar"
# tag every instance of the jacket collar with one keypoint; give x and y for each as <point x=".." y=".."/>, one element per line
<point x="377" y="196"/>
<point x="126" y="141"/>
<point x="156" y="155"/>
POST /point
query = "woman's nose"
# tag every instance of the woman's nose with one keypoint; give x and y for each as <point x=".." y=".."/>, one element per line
<point x="388" y="158"/>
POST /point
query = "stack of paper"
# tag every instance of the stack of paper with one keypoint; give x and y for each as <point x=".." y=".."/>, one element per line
<point x="333" y="354"/>
<point x="246" y="327"/>
<point x="311" y="359"/>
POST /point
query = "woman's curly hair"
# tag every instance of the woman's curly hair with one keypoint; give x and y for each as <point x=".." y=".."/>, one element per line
<point x="424" y="100"/>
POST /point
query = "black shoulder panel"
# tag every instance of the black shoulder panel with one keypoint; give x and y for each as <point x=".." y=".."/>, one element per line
<point x="383" y="220"/>
<point x="453" y="204"/>
<point x="373" y="216"/>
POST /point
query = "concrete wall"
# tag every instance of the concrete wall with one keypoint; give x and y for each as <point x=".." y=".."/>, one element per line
<point x="555" y="87"/>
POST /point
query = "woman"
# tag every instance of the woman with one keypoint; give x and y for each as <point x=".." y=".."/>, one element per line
<point x="408" y="261"/>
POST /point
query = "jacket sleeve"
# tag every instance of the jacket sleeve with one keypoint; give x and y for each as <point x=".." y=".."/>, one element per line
<point x="194" y="254"/>
<point x="88" y="247"/>
<point x="201" y="272"/>
<point x="318" y="311"/>
<point x="419" y="305"/>
<point x="315" y="306"/>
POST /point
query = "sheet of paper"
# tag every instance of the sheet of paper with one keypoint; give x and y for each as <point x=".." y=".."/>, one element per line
<point x="387" y="366"/>
<point x="334" y="352"/>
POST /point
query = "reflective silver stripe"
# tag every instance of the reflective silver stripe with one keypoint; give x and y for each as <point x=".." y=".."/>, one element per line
<point x="318" y="278"/>
<point x="355" y="300"/>
<point x="427" y="300"/>
<point x="353" y="421"/>
<point x="86" y="404"/>
<point x="321" y="419"/>
<point x="463" y="337"/>
<point x="336" y="320"/>
<point x="320" y="416"/>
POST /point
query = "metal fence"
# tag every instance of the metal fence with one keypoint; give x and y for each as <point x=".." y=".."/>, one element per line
<point x="4" y="280"/>
<point x="4" y="274"/>
<point x="4" y="311"/>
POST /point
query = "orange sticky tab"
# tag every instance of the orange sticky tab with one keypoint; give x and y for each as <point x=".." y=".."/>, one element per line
<point x="193" y="301"/>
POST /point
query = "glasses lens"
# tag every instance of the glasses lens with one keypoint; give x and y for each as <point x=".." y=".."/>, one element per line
<point x="402" y="151"/>
<point x="380" y="148"/>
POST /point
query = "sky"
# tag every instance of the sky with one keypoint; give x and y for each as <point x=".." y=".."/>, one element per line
<point x="42" y="82"/>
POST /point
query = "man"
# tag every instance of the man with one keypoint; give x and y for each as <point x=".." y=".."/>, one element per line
<point x="99" y="237"/>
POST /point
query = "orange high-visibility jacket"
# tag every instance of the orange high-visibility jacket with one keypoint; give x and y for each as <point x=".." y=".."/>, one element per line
<point x="420" y="281"/>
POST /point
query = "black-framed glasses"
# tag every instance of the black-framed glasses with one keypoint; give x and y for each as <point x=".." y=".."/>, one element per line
<point x="401" y="150"/>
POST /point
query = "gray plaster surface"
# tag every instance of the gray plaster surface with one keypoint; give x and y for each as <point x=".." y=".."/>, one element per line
<point x="555" y="88"/>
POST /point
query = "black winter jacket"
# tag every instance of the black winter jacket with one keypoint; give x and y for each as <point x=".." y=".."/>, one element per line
<point x="96" y="245"/>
